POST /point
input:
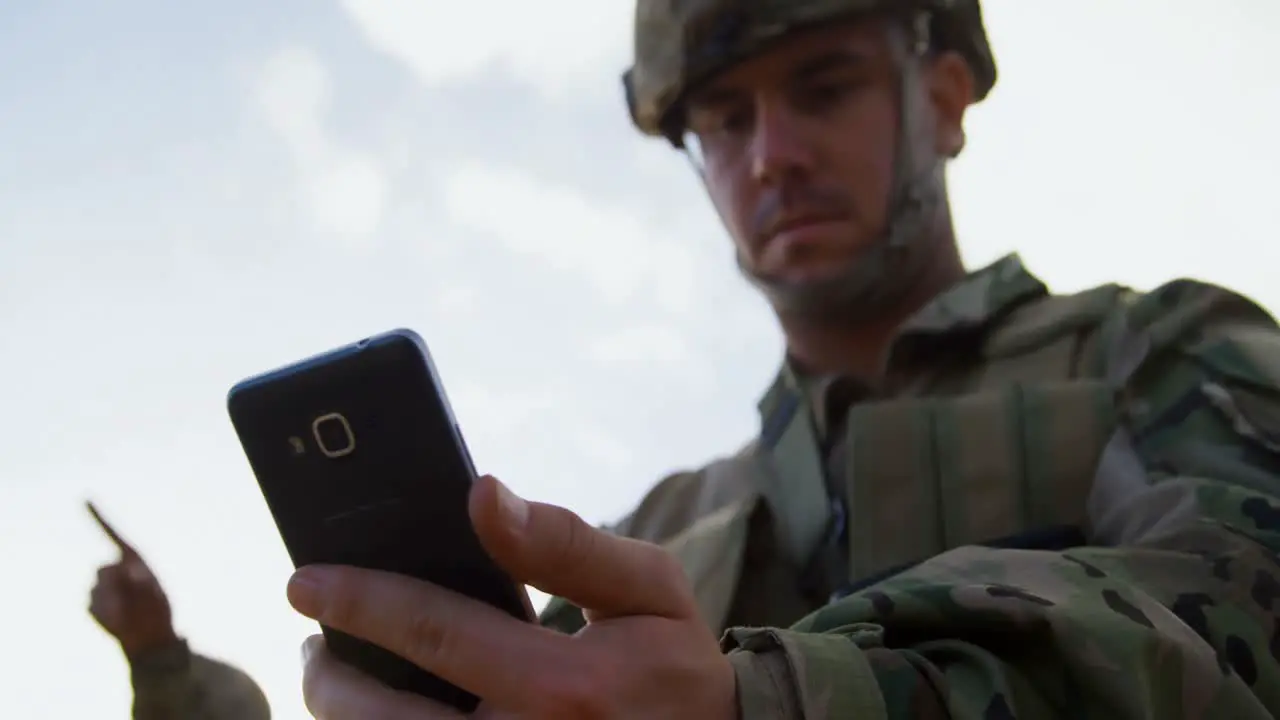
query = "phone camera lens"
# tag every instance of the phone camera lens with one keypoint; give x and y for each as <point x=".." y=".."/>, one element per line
<point x="333" y="434"/>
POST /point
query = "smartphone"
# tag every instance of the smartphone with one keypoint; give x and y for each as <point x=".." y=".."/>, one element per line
<point x="361" y="462"/>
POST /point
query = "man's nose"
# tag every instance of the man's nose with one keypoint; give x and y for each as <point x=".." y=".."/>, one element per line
<point x="779" y="145"/>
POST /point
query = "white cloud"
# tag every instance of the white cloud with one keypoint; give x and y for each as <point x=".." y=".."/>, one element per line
<point x="598" y="445"/>
<point x="643" y="344"/>
<point x="348" y="195"/>
<point x="343" y="191"/>
<point x="665" y="348"/>
<point x="495" y="412"/>
<point x="617" y="253"/>
<point x="553" y="45"/>
<point x="456" y="296"/>
<point x="293" y="91"/>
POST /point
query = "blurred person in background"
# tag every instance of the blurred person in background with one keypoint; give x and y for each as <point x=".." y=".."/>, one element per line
<point x="170" y="682"/>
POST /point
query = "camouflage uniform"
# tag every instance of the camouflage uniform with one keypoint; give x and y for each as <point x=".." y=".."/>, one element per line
<point x="1051" y="507"/>
<point x="1055" y="507"/>
<point x="177" y="684"/>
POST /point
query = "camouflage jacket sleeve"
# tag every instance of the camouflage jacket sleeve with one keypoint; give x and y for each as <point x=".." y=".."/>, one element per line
<point x="1169" y="613"/>
<point x="177" y="684"/>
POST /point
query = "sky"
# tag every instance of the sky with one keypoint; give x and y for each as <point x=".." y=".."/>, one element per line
<point x="190" y="194"/>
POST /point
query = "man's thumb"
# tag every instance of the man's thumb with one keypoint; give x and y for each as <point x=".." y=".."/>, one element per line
<point x="557" y="552"/>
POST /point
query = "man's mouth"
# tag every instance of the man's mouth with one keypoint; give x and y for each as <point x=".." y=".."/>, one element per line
<point x="799" y="225"/>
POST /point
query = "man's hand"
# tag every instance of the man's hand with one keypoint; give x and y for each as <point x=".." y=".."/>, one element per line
<point x="645" y="652"/>
<point x="127" y="600"/>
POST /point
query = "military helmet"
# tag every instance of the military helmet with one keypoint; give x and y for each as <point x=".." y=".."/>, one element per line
<point x="679" y="43"/>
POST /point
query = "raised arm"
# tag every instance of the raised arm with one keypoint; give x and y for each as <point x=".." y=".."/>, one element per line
<point x="173" y="683"/>
<point x="169" y="681"/>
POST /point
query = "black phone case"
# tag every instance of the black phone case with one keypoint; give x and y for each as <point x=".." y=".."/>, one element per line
<point x="394" y="500"/>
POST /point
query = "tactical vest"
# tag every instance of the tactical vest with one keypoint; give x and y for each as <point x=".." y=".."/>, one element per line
<point x="1008" y="462"/>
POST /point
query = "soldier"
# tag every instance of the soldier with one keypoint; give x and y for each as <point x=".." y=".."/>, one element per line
<point x="970" y="498"/>
<point x="170" y="682"/>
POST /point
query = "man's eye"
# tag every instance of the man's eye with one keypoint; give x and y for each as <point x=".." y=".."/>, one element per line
<point x="721" y="122"/>
<point x="734" y="122"/>
<point x="828" y="93"/>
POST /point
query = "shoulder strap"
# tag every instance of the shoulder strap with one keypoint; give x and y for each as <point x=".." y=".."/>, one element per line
<point x="793" y="483"/>
<point x="1121" y="476"/>
<point x="1043" y="320"/>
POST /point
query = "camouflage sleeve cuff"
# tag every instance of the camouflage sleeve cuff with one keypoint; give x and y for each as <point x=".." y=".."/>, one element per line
<point x="788" y="675"/>
<point x="162" y="662"/>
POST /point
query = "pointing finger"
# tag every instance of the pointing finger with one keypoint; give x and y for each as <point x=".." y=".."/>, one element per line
<point x="125" y="548"/>
<point x="557" y="552"/>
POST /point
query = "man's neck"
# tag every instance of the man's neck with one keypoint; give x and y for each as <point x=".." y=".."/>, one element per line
<point x="859" y="348"/>
<point x="855" y="350"/>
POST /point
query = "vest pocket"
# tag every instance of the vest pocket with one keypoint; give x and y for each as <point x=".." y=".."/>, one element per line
<point x="926" y="475"/>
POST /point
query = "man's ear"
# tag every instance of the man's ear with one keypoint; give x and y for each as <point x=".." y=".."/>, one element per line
<point x="951" y="87"/>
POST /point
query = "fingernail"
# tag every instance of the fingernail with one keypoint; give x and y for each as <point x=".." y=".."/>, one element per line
<point x="308" y="648"/>
<point x="306" y="591"/>
<point x="514" y="510"/>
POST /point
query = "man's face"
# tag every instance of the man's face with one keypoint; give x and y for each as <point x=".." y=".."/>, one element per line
<point x="798" y="147"/>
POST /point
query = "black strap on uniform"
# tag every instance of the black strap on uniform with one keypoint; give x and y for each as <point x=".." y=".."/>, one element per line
<point x="809" y="512"/>
<point x="1054" y="539"/>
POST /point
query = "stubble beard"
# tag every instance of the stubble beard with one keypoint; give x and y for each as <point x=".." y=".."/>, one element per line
<point x="877" y="282"/>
